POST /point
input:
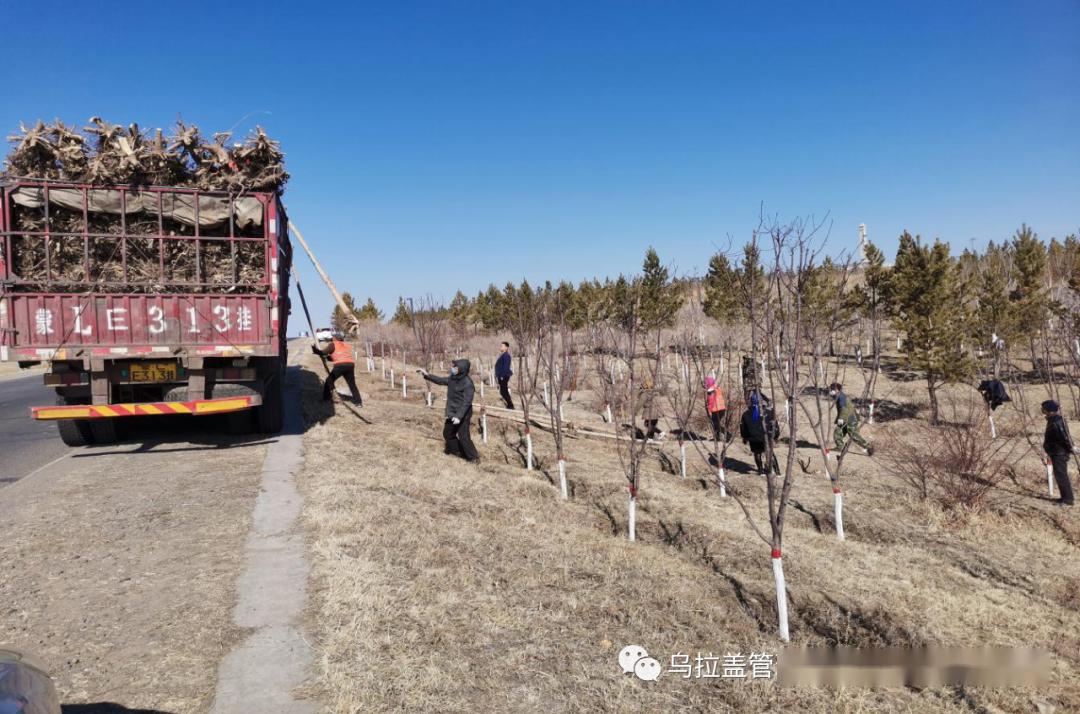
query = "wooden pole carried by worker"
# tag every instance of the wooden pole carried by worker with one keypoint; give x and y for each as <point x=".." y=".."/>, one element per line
<point x="349" y="315"/>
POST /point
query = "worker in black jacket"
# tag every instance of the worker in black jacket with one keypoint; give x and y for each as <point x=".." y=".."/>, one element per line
<point x="459" y="401"/>
<point x="757" y="427"/>
<point x="993" y="391"/>
<point x="1058" y="446"/>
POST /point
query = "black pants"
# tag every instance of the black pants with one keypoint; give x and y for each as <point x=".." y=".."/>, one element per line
<point x="504" y="391"/>
<point x="652" y="428"/>
<point x="1060" y="460"/>
<point x="348" y="371"/>
<point x="717" y="419"/>
<point x="759" y="460"/>
<point x="457" y="437"/>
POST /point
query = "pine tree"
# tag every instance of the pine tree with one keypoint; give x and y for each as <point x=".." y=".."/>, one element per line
<point x="1057" y="263"/>
<point x="660" y="299"/>
<point x="993" y="314"/>
<point x="1072" y="279"/>
<point x="752" y="286"/>
<point x="722" y="301"/>
<point x="1072" y="270"/>
<point x="823" y="293"/>
<point x="369" y="312"/>
<point x="592" y="301"/>
<point x="929" y="308"/>
<point x="571" y="310"/>
<point x="479" y="309"/>
<point x="1031" y="304"/>
<point x="586" y="297"/>
<point x="402" y="315"/>
<point x="461" y="315"/>
<point x="339" y="319"/>
<point x="494" y="309"/>
<point x="873" y="298"/>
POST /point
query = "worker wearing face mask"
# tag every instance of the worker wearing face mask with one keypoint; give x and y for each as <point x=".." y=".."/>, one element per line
<point x="459" y="400"/>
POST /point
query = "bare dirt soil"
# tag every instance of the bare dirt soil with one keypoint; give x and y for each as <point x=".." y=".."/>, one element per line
<point x="444" y="586"/>
<point x="120" y="564"/>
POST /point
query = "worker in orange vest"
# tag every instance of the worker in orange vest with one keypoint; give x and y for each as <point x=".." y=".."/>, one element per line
<point x="716" y="407"/>
<point x="331" y="344"/>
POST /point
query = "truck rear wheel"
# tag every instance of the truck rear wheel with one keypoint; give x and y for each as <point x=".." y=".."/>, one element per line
<point x="270" y="416"/>
<point x="75" y="432"/>
<point x="103" y="430"/>
<point x="240" y="422"/>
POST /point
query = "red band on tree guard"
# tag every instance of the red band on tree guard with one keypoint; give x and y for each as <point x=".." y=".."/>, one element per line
<point x="836" y="490"/>
<point x="633" y="491"/>
<point x="776" y="553"/>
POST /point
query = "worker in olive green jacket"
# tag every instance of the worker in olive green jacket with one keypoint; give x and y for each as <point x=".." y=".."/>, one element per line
<point x="847" y="421"/>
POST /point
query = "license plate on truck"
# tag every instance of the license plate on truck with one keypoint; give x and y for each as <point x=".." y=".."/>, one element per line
<point x="154" y="372"/>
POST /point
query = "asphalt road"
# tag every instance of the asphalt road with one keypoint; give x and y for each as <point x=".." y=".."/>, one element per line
<point x="25" y="445"/>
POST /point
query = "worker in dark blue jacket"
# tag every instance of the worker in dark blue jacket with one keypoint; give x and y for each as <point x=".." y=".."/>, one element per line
<point x="503" y="373"/>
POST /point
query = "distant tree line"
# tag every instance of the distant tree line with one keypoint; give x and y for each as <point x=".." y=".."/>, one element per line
<point x="943" y="305"/>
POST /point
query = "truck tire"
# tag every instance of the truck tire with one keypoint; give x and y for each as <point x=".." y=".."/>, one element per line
<point x="75" y="432"/>
<point x="103" y="430"/>
<point x="237" y="423"/>
<point x="270" y="417"/>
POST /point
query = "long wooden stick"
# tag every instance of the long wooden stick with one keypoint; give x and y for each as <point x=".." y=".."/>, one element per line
<point x="322" y="274"/>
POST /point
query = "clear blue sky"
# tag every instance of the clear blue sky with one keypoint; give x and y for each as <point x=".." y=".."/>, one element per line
<point x="451" y="144"/>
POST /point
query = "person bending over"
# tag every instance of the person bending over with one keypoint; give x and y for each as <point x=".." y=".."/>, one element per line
<point x="332" y="345"/>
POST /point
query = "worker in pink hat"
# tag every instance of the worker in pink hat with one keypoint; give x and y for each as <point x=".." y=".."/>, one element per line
<point x="716" y="407"/>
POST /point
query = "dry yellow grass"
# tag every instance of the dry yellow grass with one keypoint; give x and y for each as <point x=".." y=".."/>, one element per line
<point x="443" y="586"/>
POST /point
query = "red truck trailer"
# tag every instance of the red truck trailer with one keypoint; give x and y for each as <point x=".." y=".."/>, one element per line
<point x="145" y="301"/>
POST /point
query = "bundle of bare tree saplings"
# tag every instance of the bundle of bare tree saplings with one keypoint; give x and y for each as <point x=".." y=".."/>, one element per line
<point x="83" y="250"/>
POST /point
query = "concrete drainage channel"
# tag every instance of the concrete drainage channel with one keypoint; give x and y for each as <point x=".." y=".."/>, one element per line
<point x="261" y="672"/>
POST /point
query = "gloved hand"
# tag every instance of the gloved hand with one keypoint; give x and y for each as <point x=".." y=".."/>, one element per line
<point x="421" y="371"/>
<point x="840" y="422"/>
<point x="455" y="421"/>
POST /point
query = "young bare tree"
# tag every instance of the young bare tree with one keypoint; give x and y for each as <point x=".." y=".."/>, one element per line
<point x="556" y="354"/>
<point x="526" y="316"/>
<point x="601" y="348"/>
<point x="428" y="320"/>
<point x="684" y="389"/>
<point x="637" y="348"/>
<point x="688" y="393"/>
<point x="778" y="330"/>
<point x="826" y="302"/>
<point x="872" y="301"/>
